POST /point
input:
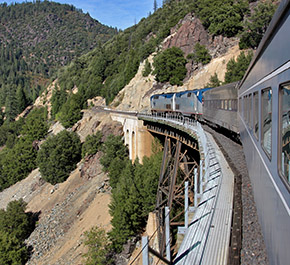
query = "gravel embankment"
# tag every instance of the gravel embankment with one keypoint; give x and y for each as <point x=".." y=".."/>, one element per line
<point x="253" y="250"/>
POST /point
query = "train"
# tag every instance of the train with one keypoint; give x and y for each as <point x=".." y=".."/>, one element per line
<point x="186" y="103"/>
<point x="217" y="106"/>
<point x="257" y="108"/>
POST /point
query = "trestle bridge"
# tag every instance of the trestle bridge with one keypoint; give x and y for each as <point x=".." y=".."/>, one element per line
<point x="198" y="204"/>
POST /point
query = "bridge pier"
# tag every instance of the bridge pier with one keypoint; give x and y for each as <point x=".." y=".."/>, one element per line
<point x="136" y="136"/>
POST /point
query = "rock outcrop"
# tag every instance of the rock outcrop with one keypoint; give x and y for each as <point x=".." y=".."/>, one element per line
<point x="190" y="31"/>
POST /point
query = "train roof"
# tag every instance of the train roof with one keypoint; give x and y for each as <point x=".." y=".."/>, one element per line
<point x="266" y="40"/>
<point x="197" y="92"/>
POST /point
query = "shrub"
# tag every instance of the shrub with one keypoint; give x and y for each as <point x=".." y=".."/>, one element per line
<point x="147" y="69"/>
<point x="214" y="81"/>
<point x="58" y="156"/>
<point x="92" y="144"/>
<point x="98" y="246"/>
<point x="200" y="55"/>
<point x="170" y="66"/>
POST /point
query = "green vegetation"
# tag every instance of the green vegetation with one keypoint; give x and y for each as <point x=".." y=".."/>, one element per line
<point x="114" y="158"/>
<point x="106" y="70"/>
<point x="237" y="69"/>
<point x="58" y="156"/>
<point x="98" y="244"/>
<point x="256" y="26"/>
<point x="222" y="17"/>
<point x="35" y="40"/>
<point x="214" y="81"/>
<point x="200" y="55"/>
<point x="170" y="66"/>
<point x="147" y="68"/>
<point x="18" y="158"/>
<point x="134" y="189"/>
<point x="92" y="144"/>
<point x="15" y="227"/>
<point x="70" y="111"/>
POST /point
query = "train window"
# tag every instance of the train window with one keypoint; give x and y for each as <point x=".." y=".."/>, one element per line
<point x="267" y="120"/>
<point x="256" y="114"/>
<point x="226" y="104"/>
<point x="222" y="104"/>
<point x="235" y="104"/>
<point x="230" y="105"/>
<point x="285" y="131"/>
<point x="250" y="111"/>
<point x="188" y="95"/>
<point x="246" y="109"/>
<point x="156" y="97"/>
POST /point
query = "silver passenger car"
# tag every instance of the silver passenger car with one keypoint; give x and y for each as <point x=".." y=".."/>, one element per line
<point x="220" y="106"/>
<point x="264" y="111"/>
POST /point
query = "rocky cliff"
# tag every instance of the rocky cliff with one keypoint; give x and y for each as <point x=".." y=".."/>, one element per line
<point x="185" y="35"/>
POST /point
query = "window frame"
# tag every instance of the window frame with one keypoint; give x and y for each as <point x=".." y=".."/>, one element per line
<point x="280" y="110"/>
<point x="262" y="123"/>
<point x="256" y="115"/>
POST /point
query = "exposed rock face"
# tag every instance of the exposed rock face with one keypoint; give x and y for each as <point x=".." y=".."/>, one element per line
<point x="187" y="35"/>
<point x="97" y="101"/>
<point x="45" y="98"/>
<point x="190" y="31"/>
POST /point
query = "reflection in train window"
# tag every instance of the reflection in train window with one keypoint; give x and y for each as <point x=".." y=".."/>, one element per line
<point x="246" y="109"/>
<point x="222" y="104"/>
<point x="226" y="104"/>
<point x="250" y="111"/>
<point x="285" y="130"/>
<point x="230" y="105"/>
<point x="267" y="120"/>
<point x="256" y="115"/>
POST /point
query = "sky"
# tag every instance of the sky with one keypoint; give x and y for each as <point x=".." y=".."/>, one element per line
<point x="116" y="13"/>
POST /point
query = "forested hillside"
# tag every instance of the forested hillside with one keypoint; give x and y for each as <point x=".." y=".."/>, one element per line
<point x="108" y="68"/>
<point x="35" y="40"/>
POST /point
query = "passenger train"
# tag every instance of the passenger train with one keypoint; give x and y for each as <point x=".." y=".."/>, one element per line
<point x="258" y="109"/>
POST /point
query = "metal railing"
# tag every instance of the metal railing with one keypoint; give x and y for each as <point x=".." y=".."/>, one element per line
<point x="199" y="179"/>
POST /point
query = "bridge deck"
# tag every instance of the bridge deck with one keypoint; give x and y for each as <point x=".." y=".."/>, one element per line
<point x="207" y="237"/>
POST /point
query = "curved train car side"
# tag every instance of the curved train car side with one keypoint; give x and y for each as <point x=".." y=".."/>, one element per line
<point x="220" y="106"/>
<point x="264" y="110"/>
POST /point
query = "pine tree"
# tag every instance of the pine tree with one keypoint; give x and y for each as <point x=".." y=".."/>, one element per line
<point x="21" y="99"/>
<point x="155" y="6"/>
<point x="214" y="81"/>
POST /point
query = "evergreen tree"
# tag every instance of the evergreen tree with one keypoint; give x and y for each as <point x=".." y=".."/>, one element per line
<point x="237" y="69"/>
<point x="10" y="106"/>
<point x="21" y="99"/>
<point x="97" y="243"/>
<point x="147" y="68"/>
<point x="155" y="6"/>
<point x="15" y="227"/>
<point x="170" y="66"/>
<point x="256" y="26"/>
<point x="200" y="55"/>
<point x="58" y="156"/>
<point x="214" y="81"/>
<point x="92" y="144"/>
